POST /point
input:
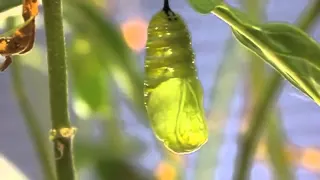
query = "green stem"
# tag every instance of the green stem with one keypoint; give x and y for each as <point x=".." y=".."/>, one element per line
<point x="264" y="102"/>
<point x="57" y="71"/>
<point x="309" y="16"/>
<point x="39" y="143"/>
<point x="249" y="142"/>
<point x="282" y="168"/>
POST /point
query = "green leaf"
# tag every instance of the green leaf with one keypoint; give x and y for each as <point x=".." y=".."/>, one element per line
<point x="110" y="168"/>
<point x="6" y="5"/>
<point x="286" y="48"/>
<point x="114" y="55"/>
<point x="89" y="79"/>
<point x="257" y="81"/>
<point x="89" y="151"/>
<point x="204" y="6"/>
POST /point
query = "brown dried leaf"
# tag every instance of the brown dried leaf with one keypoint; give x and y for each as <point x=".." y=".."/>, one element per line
<point x="22" y="40"/>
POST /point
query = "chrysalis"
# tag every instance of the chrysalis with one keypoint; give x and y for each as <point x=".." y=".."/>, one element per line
<point x="173" y="94"/>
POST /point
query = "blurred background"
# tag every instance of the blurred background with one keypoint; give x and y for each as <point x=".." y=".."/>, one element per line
<point x="105" y="62"/>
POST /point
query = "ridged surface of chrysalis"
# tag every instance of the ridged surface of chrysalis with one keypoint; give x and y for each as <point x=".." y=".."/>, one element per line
<point x="173" y="92"/>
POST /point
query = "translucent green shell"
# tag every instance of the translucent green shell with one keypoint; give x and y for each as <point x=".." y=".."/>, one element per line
<point x="173" y="94"/>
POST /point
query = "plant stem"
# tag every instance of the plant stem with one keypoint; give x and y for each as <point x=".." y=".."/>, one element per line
<point x="282" y="168"/>
<point x="249" y="142"/>
<point x="30" y="118"/>
<point x="309" y="16"/>
<point x="264" y="104"/>
<point x="57" y="72"/>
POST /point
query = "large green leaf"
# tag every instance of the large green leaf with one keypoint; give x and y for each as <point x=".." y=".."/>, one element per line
<point x="257" y="80"/>
<point x="89" y="79"/>
<point x="286" y="48"/>
<point x="262" y="106"/>
<point x="114" y="56"/>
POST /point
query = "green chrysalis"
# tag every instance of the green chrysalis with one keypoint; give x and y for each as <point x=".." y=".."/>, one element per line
<point x="173" y="94"/>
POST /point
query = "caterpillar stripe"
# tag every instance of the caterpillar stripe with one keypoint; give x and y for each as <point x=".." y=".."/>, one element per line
<point x="173" y="94"/>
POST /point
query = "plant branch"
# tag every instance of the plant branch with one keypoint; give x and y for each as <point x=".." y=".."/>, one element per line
<point x="30" y="118"/>
<point x="57" y="70"/>
<point x="264" y="104"/>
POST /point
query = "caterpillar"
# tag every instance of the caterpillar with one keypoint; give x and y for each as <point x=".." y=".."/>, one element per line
<point x="173" y="94"/>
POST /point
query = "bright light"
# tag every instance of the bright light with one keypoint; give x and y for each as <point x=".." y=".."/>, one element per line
<point x="134" y="31"/>
<point x="9" y="170"/>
